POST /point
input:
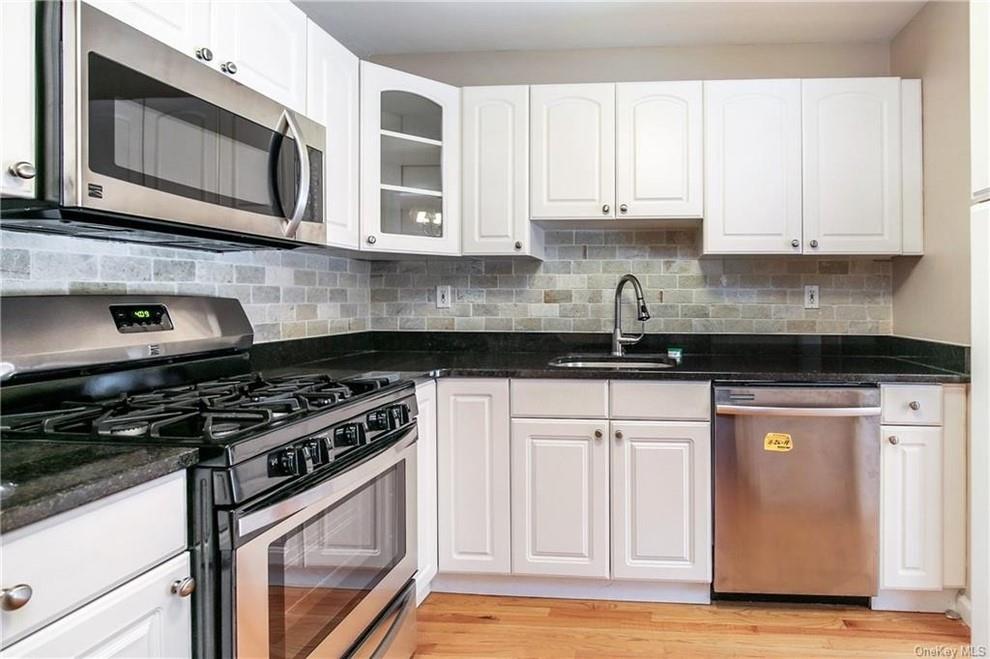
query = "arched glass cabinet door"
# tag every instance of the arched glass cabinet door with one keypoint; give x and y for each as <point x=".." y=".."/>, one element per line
<point x="410" y="160"/>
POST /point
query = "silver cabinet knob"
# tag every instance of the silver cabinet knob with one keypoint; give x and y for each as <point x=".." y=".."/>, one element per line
<point x="204" y="54"/>
<point x="795" y="243"/>
<point x="372" y="240"/>
<point x="229" y="67"/>
<point x="518" y="245"/>
<point x="14" y="598"/>
<point x="624" y="208"/>
<point x="605" y="209"/>
<point x="618" y="434"/>
<point x="599" y="434"/>
<point x="184" y="587"/>
<point x="893" y="439"/>
<point x="914" y="405"/>
<point x="22" y="169"/>
<point x="814" y="244"/>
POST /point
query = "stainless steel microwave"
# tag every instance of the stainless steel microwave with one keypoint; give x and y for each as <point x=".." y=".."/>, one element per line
<point x="150" y="133"/>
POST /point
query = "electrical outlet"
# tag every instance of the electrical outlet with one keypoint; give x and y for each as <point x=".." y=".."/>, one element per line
<point x="811" y="297"/>
<point x="443" y="297"/>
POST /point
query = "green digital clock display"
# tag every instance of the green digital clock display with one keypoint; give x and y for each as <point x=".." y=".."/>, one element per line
<point x="142" y="314"/>
<point x="141" y="318"/>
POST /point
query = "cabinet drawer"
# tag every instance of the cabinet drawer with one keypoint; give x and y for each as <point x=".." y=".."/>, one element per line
<point x="914" y="405"/>
<point x="74" y="557"/>
<point x="675" y="401"/>
<point x="572" y="399"/>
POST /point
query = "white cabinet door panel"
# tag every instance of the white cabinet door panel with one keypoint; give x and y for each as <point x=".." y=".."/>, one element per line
<point x="181" y="24"/>
<point x="661" y="501"/>
<point x="560" y="498"/>
<point x="426" y="486"/>
<point x="911" y="508"/>
<point x="473" y="475"/>
<point x="752" y="167"/>
<point x="495" y="170"/>
<point x="852" y="165"/>
<point x="332" y="99"/>
<point x="141" y="618"/>
<point x="572" y="151"/>
<point x="18" y="137"/>
<point x="266" y="41"/>
<point x="658" y="150"/>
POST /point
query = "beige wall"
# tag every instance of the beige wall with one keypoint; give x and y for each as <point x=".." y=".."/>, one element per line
<point x="931" y="293"/>
<point x="627" y="64"/>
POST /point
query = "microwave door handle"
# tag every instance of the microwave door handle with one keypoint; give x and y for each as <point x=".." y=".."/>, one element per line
<point x="287" y="124"/>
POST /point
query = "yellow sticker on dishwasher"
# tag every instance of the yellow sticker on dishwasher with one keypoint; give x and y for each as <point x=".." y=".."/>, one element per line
<point x="777" y="441"/>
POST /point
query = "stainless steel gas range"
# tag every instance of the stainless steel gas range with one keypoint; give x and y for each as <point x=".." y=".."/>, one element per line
<point x="303" y="512"/>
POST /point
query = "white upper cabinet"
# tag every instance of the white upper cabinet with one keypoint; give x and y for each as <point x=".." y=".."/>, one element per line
<point x="18" y="139"/>
<point x="410" y="163"/>
<point x="852" y="165"/>
<point x="332" y="99"/>
<point x="658" y="149"/>
<point x="181" y="24"/>
<point x="560" y="497"/>
<point x="661" y="501"/>
<point x="753" y="167"/>
<point x="495" y="172"/>
<point x="572" y="151"/>
<point x="262" y="44"/>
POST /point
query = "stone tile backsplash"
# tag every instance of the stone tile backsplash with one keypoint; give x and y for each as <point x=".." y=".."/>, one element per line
<point x="294" y="294"/>
<point x="572" y="290"/>
<point x="286" y="294"/>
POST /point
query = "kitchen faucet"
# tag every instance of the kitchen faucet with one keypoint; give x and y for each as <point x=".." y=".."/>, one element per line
<point x="618" y="338"/>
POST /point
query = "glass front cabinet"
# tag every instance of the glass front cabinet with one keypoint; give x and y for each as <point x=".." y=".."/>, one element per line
<point x="410" y="163"/>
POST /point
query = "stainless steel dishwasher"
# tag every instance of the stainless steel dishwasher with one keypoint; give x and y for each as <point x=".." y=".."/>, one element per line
<point x="797" y="488"/>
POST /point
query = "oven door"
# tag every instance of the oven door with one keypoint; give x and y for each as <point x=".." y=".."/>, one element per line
<point x="152" y="133"/>
<point x="319" y="567"/>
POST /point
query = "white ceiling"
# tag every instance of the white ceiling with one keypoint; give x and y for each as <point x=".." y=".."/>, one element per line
<point x="374" y="27"/>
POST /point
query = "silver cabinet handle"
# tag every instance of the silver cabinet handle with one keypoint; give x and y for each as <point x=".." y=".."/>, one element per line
<point x="206" y="55"/>
<point x="605" y="209"/>
<point x="518" y="245"/>
<point x="814" y="244"/>
<point x="286" y="124"/>
<point x="618" y="434"/>
<point x="372" y="240"/>
<point x="624" y="208"/>
<point x="14" y="598"/>
<point x="599" y="434"/>
<point x="914" y="405"/>
<point x="229" y="68"/>
<point x="893" y="439"/>
<point x="184" y="587"/>
<point x="795" y="243"/>
<point x="22" y="169"/>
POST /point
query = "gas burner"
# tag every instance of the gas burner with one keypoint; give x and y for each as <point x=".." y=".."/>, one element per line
<point x="221" y="430"/>
<point x="135" y="429"/>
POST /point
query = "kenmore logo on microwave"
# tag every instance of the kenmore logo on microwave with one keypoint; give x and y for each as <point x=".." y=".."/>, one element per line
<point x="96" y="191"/>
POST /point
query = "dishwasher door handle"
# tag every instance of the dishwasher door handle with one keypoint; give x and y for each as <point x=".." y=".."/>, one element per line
<point x="754" y="410"/>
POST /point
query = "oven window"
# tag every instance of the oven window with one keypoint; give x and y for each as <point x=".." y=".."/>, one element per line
<point x="151" y="134"/>
<point x="321" y="570"/>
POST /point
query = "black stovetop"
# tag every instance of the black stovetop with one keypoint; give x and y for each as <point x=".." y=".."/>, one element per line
<point x="212" y="412"/>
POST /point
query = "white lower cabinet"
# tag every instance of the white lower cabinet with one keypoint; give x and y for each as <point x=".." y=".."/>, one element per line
<point x="426" y="487"/>
<point x="911" y="508"/>
<point x="661" y="501"/>
<point x="560" y="497"/>
<point x="142" y="618"/>
<point x="473" y="475"/>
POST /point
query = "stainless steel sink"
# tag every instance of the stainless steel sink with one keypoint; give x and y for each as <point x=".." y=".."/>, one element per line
<point x="609" y="362"/>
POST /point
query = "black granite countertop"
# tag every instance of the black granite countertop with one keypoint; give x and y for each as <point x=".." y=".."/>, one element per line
<point x="40" y="479"/>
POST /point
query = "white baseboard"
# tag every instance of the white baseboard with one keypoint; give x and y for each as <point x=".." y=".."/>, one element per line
<point x="567" y="588"/>
<point x="964" y="606"/>
<point x="928" y="601"/>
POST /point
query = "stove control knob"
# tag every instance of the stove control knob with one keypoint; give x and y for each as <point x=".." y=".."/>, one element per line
<point x="316" y="450"/>
<point x="286" y="462"/>
<point x="398" y="415"/>
<point x="379" y="420"/>
<point x="349" y="434"/>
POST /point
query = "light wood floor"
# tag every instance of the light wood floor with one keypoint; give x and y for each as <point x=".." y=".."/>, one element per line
<point x="483" y="626"/>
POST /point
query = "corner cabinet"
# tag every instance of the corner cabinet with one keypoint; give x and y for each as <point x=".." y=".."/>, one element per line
<point x="332" y="98"/>
<point x="410" y="169"/>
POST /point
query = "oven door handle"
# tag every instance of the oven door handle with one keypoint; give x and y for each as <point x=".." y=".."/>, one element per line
<point x="755" y="410"/>
<point x="287" y="124"/>
<point x="335" y="484"/>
